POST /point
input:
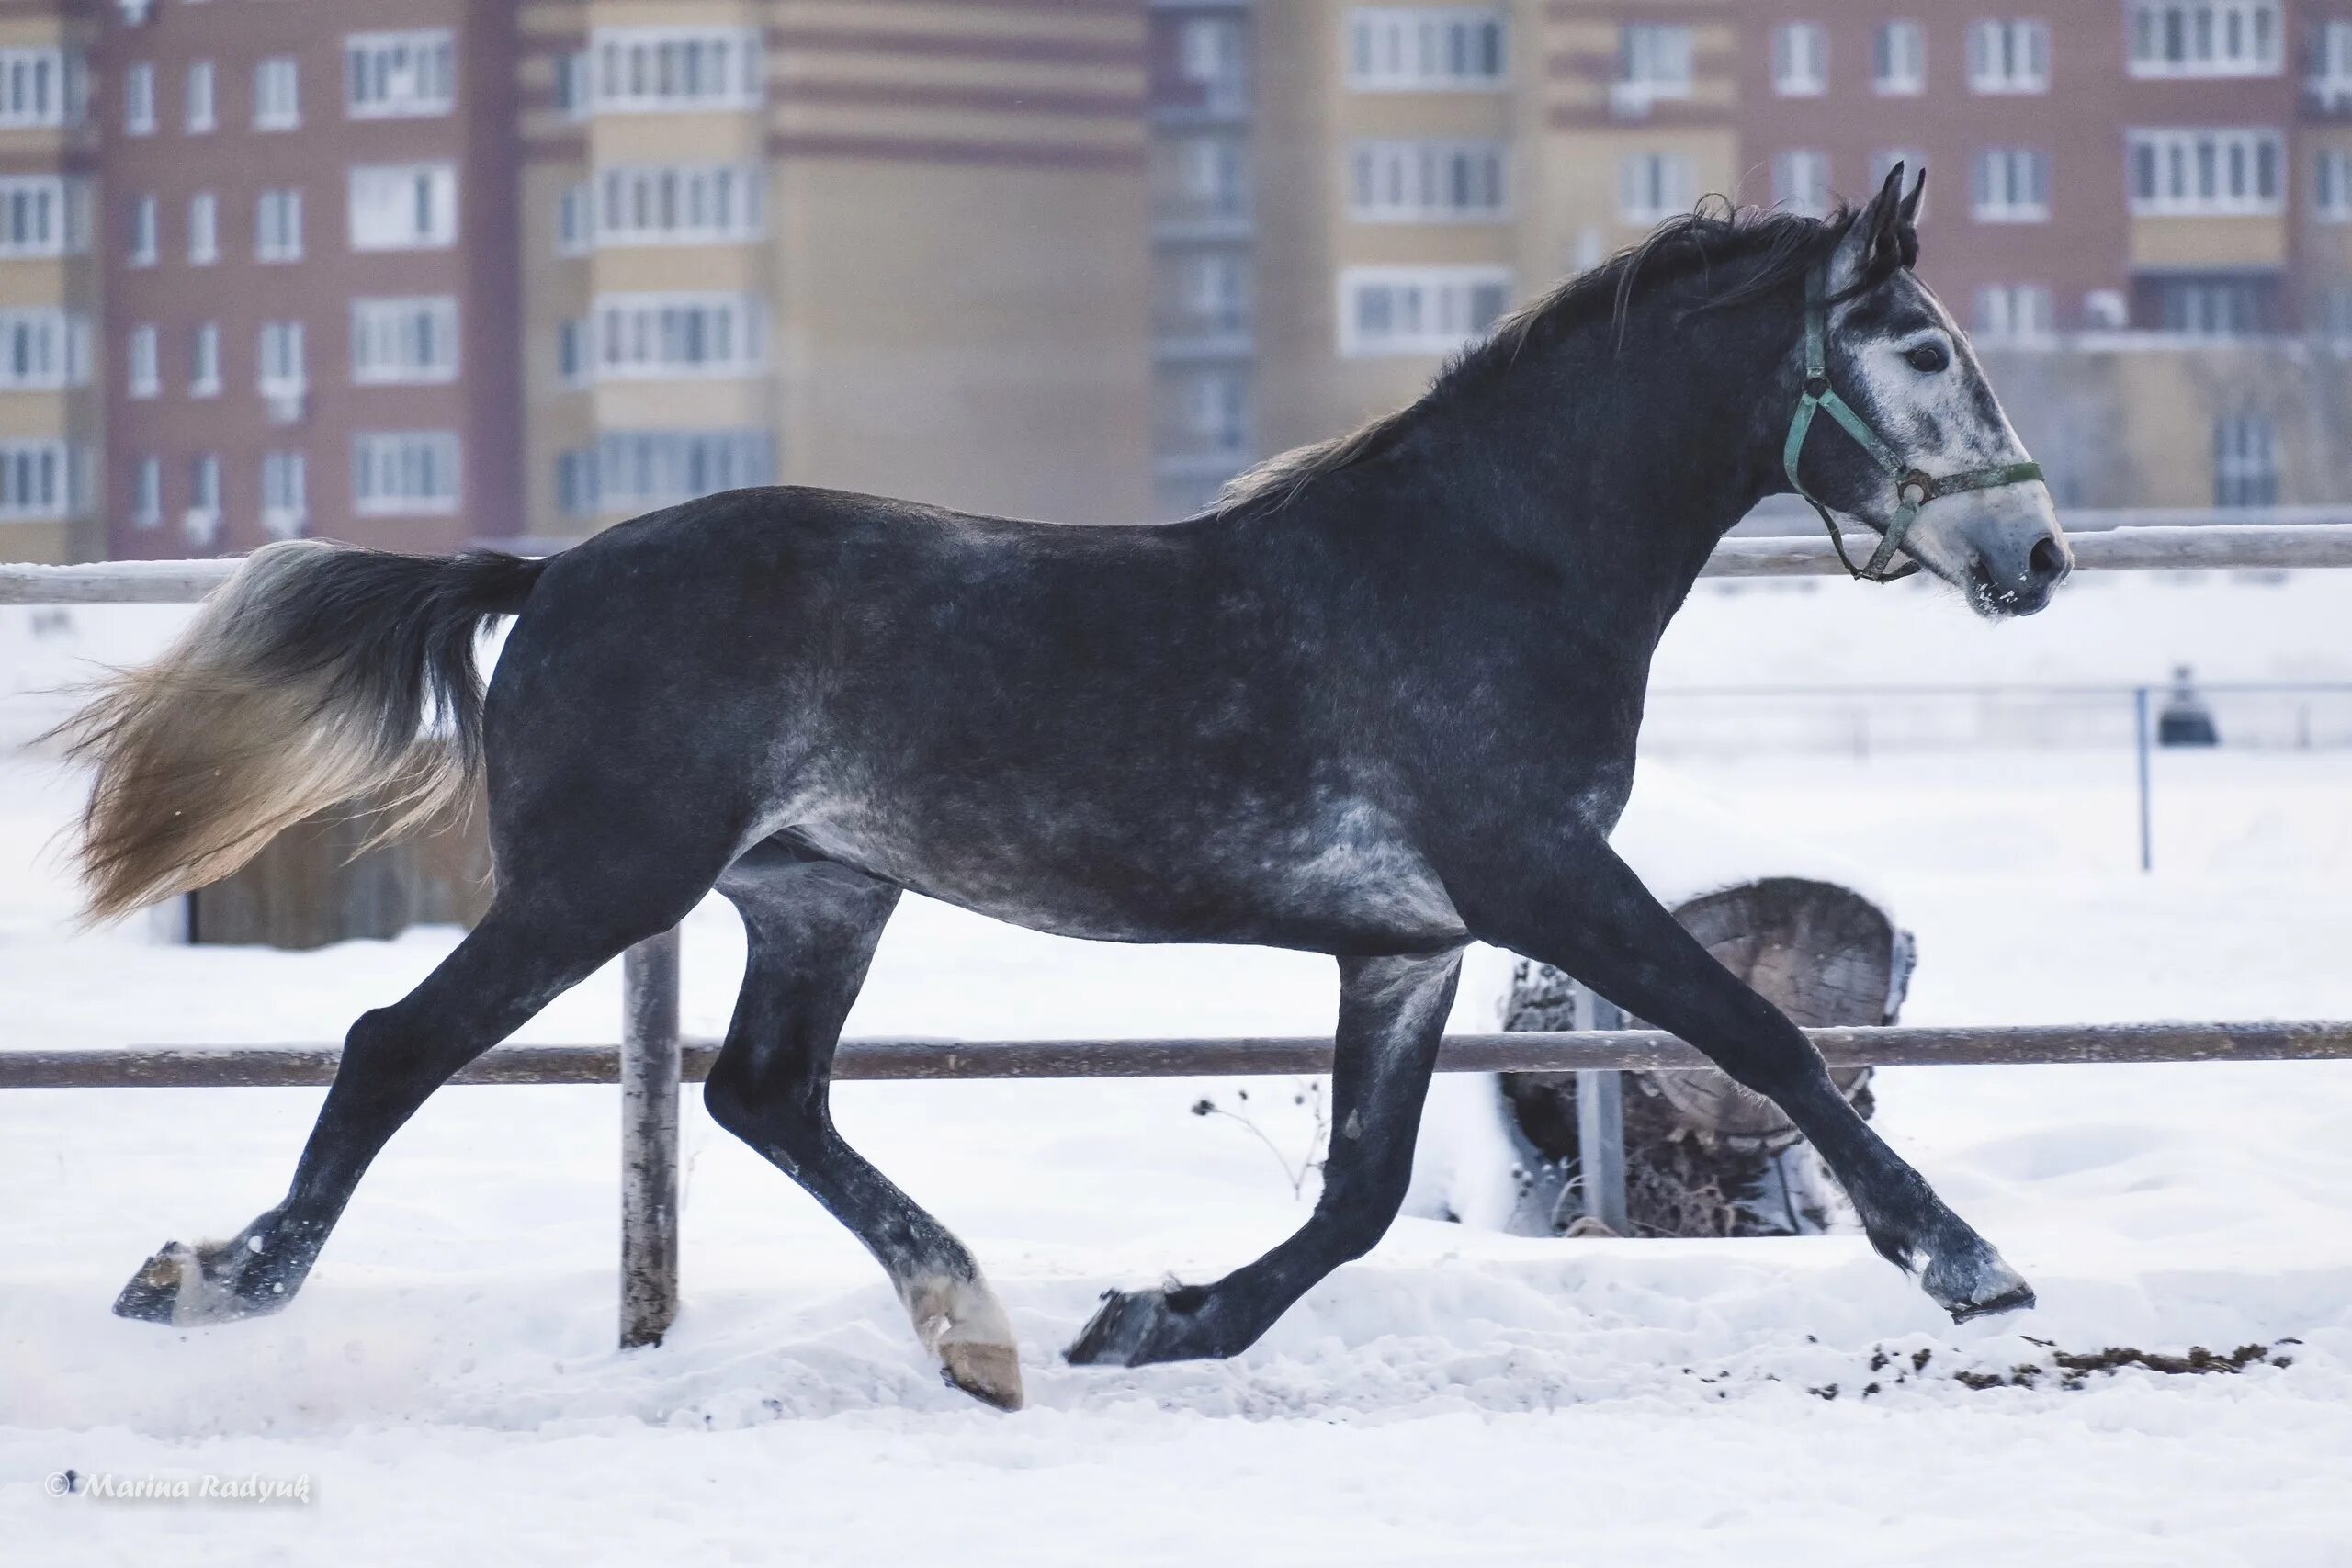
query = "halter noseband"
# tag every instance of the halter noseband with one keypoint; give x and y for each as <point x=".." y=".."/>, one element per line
<point x="1913" y="489"/>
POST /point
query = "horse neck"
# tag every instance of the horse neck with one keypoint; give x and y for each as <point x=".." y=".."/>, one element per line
<point x="1617" y="466"/>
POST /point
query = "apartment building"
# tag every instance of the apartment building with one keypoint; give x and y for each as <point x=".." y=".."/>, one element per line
<point x="2141" y="208"/>
<point x="1203" y="240"/>
<point x="51" y="418"/>
<point x="883" y="248"/>
<point x="306" y="241"/>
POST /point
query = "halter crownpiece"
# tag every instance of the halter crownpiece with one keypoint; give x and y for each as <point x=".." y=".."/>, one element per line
<point x="1913" y="489"/>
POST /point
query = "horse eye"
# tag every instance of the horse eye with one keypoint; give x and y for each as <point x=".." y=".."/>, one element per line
<point x="1927" y="358"/>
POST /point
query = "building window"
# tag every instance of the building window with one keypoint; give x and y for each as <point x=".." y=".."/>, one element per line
<point x="139" y="100"/>
<point x="144" y="242"/>
<point x="2012" y="185"/>
<point x="637" y="471"/>
<point x="657" y="336"/>
<point x="201" y="522"/>
<point x="147" y="493"/>
<point x="574" y="232"/>
<point x="685" y="204"/>
<point x="1653" y="61"/>
<point x="1423" y="182"/>
<point x="2332" y="192"/>
<point x="1211" y="56"/>
<point x="2008" y="56"/>
<point x="1899" y="60"/>
<point x="201" y="110"/>
<point x="1800" y="60"/>
<point x="285" y="493"/>
<point x="277" y="226"/>
<point x="43" y="349"/>
<point x="2014" y="312"/>
<point x="1427" y="48"/>
<point x="404" y="75"/>
<point x="146" y="368"/>
<point x="2246" y="461"/>
<point x="2205" y="174"/>
<point x="404" y="473"/>
<point x="573" y="362"/>
<point x="1202" y="418"/>
<point x="278" y="98"/>
<point x="663" y="69"/>
<point x="1801" y="182"/>
<point x="283" y="373"/>
<point x="1204" y="293"/>
<point x="39" y="88"/>
<point x="2210" y="307"/>
<point x="571" y="90"/>
<point x="1425" y="310"/>
<point x="43" y="215"/>
<point x="2331" y="79"/>
<point x="1207" y="178"/>
<point x="2206" y="37"/>
<point x="404" y="206"/>
<point x="575" y="484"/>
<point x="204" y="361"/>
<point x="203" y="229"/>
<point x="35" y="481"/>
<point x="403" y="342"/>
<point x="1652" y="187"/>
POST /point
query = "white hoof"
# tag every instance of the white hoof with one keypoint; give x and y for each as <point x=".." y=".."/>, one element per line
<point x="961" y="1323"/>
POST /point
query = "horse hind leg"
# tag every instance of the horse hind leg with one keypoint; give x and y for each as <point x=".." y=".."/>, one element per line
<point x="812" y="927"/>
<point x="544" y="933"/>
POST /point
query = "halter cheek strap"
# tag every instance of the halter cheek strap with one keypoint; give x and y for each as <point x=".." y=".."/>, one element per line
<point x="1913" y="489"/>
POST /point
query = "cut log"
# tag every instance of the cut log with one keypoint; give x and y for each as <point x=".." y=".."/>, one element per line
<point x="1704" y="1156"/>
<point x="318" y="882"/>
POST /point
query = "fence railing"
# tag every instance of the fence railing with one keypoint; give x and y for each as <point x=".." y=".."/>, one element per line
<point x="652" y="1059"/>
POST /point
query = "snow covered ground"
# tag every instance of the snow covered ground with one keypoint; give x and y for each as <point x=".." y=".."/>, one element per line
<point x="448" y="1382"/>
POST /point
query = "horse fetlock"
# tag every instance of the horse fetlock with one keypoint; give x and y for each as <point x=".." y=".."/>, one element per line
<point x="218" y="1281"/>
<point x="961" y="1322"/>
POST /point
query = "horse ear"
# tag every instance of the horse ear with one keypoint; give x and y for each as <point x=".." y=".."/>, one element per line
<point x="1873" y="230"/>
<point x="1908" y="214"/>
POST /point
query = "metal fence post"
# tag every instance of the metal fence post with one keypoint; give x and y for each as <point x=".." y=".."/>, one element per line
<point x="1600" y="1122"/>
<point x="2140" y="725"/>
<point x="648" y="1076"/>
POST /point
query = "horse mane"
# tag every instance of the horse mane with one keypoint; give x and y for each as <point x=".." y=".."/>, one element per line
<point x="1782" y="245"/>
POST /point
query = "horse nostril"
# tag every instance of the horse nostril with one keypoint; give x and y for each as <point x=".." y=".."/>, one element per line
<point x="2047" y="562"/>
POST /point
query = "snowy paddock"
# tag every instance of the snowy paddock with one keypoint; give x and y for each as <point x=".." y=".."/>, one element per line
<point x="448" y="1382"/>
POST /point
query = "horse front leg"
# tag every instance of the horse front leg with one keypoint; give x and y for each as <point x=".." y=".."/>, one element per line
<point x="1392" y="1014"/>
<point x="1590" y="916"/>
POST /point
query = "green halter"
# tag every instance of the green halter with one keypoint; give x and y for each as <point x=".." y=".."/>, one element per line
<point x="1912" y="490"/>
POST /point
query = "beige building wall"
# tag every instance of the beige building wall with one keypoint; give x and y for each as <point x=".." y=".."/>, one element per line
<point x="951" y="303"/>
<point x="74" y="415"/>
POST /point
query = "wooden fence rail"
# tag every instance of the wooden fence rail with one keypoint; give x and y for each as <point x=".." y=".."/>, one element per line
<point x="652" y="1059"/>
<point x="1533" y="1051"/>
<point x="2159" y="548"/>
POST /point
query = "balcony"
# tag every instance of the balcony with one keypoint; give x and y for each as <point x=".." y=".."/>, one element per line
<point x="1191" y="336"/>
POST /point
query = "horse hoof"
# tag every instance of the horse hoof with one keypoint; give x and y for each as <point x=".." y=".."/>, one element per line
<point x="990" y="1373"/>
<point x="1120" y="1334"/>
<point x="153" y="1293"/>
<point x="185" y="1286"/>
<point x="1976" y="1286"/>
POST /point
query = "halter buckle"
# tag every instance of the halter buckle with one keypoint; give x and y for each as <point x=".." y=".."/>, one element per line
<point x="1914" y="488"/>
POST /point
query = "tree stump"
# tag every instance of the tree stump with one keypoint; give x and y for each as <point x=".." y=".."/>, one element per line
<point x="1704" y="1156"/>
<point x="320" y="882"/>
